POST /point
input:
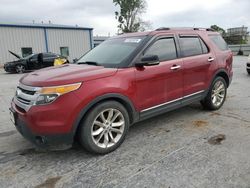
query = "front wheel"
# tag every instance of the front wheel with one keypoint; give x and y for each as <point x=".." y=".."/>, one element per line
<point x="20" y="69"/>
<point x="104" y="128"/>
<point x="216" y="95"/>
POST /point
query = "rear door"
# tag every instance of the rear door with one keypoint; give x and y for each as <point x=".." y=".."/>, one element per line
<point x="32" y="62"/>
<point x="197" y="60"/>
<point x="160" y="84"/>
<point x="48" y="59"/>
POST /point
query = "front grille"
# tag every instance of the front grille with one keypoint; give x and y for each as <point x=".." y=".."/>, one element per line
<point x="25" y="96"/>
<point x="26" y="91"/>
<point x="22" y="100"/>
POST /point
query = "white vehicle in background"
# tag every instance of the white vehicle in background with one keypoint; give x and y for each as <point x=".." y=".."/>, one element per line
<point x="248" y="64"/>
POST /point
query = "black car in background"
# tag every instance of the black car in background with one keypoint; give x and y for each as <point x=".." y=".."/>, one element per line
<point x="248" y="64"/>
<point x="31" y="62"/>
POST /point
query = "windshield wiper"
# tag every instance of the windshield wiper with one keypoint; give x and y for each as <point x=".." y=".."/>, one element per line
<point x="89" y="63"/>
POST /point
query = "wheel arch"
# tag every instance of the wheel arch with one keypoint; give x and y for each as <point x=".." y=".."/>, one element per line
<point x="24" y="63"/>
<point x="222" y="73"/>
<point x="133" y="114"/>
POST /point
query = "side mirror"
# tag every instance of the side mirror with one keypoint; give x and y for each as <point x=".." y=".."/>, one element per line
<point x="75" y="60"/>
<point x="149" y="60"/>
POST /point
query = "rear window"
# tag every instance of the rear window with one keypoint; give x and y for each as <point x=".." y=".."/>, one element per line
<point x="219" y="42"/>
<point x="192" y="45"/>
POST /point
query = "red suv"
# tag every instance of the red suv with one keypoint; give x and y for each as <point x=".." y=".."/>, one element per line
<point x="126" y="79"/>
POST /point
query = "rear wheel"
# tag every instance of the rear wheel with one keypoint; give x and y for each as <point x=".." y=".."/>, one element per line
<point x="104" y="128"/>
<point x="216" y="95"/>
<point x="20" y="69"/>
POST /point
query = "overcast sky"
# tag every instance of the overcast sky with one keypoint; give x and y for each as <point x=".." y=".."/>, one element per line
<point x="99" y="14"/>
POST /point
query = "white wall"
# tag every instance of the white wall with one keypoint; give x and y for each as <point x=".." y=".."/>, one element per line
<point x="13" y="39"/>
<point x="78" y="41"/>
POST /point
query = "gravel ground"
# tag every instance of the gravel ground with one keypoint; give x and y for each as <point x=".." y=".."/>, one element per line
<point x="188" y="147"/>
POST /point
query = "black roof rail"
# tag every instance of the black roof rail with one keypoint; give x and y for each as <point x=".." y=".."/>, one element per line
<point x="210" y="29"/>
<point x="190" y="28"/>
<point x="162" y="28"/>
<point x="204" y="29"/>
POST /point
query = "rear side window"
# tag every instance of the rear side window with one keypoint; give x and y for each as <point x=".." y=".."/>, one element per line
<point x="192" y="45"/>
<point x="48" y="55"/>
<point x="219" y="42"/>
<point x="204" y="47"/>
<point x="164" y="48"/>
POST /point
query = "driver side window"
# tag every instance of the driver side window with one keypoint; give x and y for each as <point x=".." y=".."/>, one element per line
<point x="34" y="57"/>
<point x="164" y="48"/>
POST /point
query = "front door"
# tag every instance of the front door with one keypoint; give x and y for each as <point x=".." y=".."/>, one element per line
<point x="32" y="62"/>
<point x="160" y="85"/>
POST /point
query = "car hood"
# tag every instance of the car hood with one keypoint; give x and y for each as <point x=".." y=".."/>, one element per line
<point x="66" y="74"/>
<point x="14" y="62"/>
<point x="14" y="54"/>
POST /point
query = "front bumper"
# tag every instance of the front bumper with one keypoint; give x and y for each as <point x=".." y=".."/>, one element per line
<point x="47" y="125"/>
<point x="9" y="68"/>
<point x="40" y="140"/>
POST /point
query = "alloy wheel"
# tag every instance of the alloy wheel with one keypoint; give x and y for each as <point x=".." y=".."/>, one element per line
<point x="218" y="93"/>
<point x="20" y="69"/>
<point x="108" y="128"/>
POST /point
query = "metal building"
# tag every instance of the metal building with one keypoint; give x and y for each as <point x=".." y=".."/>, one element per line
<point x="24" y="39"/>
<point x="99" y="39"/>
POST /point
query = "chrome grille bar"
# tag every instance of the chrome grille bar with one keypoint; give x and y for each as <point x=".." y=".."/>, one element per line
<point x="25" y="96"/>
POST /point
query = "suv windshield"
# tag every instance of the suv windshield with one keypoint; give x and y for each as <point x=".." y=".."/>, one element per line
<point x="112" y="52"/>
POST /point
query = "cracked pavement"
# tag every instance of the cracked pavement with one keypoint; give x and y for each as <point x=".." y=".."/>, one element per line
<point x="170" y="150"/>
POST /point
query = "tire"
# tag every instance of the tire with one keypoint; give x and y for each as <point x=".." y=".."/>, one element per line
<point x="97" y="132"/>
<point x="248" y="71"/>
<point x="20" y="69"/>
<point x="216" y="95"/>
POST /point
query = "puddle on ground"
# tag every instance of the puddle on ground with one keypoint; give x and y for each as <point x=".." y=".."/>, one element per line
<point x="200" y="123"/>
<point x="49" y="183"/>
<point x="216" y="140"/>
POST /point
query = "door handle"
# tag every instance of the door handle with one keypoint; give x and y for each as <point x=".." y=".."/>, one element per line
<point x="175" y="67"/>
<point x="210" y="59"/>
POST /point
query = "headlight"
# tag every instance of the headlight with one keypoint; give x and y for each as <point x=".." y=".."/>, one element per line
<point x="49" y="94"/>
<point x="45" y="99"/>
